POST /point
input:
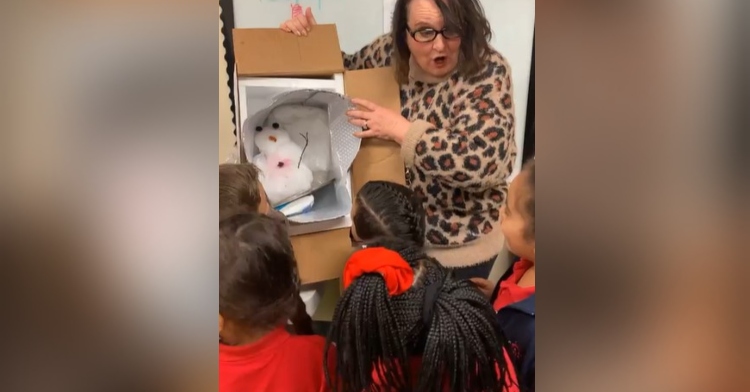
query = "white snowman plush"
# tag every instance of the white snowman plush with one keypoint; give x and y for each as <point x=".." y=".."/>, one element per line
<point x="283" y="174"/>
<point x="306" y="126"/>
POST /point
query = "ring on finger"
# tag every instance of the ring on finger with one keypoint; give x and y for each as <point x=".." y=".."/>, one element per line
<point x="365" y="127"/>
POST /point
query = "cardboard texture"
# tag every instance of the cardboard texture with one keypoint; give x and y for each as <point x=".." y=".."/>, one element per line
<point x="273" y="52"/>
<point x="321" y="256"/>
<point x="377" y="159"/>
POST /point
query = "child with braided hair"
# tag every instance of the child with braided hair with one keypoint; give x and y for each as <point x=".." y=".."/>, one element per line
<point x="404" y="323"/>
<point x="384" y="208"/>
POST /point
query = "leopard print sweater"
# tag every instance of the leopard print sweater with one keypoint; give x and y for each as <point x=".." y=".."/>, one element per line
<point x="458" y="152"/>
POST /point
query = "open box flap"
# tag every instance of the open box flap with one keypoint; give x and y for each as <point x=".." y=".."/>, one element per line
<point x="376" y="160"/>
<point x="274" y="52"/>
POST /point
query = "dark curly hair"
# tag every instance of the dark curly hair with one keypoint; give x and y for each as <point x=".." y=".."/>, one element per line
<point x="464" y="16"/>
<point x="257" y="271"/>
<point x="388" y="209"/>
<point x="456" y="335"/>
<point x="529" y="204"/>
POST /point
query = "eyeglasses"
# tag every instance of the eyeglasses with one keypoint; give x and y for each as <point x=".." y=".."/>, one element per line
<point x="427" y="34"/>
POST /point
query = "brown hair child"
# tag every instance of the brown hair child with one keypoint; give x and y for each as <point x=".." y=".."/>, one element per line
<point x="257" y="294"/>
<point x="241" y="190"/>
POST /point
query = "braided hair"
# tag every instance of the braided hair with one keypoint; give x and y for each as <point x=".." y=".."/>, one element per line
<point x="388" y="209"/>
<point x="444" y="320"/>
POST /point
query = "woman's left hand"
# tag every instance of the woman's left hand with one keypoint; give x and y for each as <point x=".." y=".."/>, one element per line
<point x="377" y="121"/>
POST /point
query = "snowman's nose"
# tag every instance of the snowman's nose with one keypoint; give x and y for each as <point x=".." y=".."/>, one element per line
<point x="272" y="138"/>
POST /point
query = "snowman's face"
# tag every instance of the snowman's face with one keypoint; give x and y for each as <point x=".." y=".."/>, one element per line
<point x="266" y="138"/>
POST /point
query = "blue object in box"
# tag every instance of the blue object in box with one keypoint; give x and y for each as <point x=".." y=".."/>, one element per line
<point x="296" y="207"/>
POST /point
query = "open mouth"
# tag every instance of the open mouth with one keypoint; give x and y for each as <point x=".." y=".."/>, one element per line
<point x="439" y="61"/>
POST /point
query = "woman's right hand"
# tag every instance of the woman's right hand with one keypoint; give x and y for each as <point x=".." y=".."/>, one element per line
<point x="300" y="24"/>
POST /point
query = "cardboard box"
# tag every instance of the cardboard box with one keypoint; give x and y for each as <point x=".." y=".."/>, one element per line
<point x="271" y="57"/>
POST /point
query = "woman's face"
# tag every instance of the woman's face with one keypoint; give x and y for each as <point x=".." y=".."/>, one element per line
<point x="438" y="58"/>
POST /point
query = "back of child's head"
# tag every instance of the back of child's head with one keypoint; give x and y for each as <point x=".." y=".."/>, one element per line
<point x="385" y="208"/>
<point x="399" y="303"/>
<point x="257" y="271"/>
<point x="529" y="204"/>
<point x="518" y="214"/>
<point x="239" y="188"/>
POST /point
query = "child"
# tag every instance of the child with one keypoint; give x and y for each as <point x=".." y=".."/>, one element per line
<point x="384" y="208"/>
<point x="514" y="297"/>
<point x="240" y="190"/>
<point x="239" y="187"/>
<point x="404" y="323"/>
<point x="257" y="294"/>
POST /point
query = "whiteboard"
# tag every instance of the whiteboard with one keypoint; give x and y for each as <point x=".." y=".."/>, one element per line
<point x="360" y="21"/>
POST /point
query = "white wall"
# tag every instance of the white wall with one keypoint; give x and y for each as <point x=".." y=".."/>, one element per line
<point x="360" y="21"/>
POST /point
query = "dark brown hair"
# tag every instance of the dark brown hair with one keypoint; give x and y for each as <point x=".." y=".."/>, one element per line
<point x="464" y="16"/>
<point x="388" y="209"/>
<point x="257" y="271"/>
<point x="239" y="188"/>
<point x="529" y="205"/>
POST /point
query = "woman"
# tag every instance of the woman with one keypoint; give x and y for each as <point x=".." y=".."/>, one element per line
<point x="456" y="126"/>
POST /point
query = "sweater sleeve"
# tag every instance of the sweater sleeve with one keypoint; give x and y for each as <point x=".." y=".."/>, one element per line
<point x="375" y="55"/>
<point x="477" y="150"/>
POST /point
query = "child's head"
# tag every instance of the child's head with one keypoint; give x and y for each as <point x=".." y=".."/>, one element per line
<point x="400" y="303"/>
<point x="257" y="276"/>
<point x="518" y="214"/>
<point x="240" y="189"/>
<point x="384" y="208"/>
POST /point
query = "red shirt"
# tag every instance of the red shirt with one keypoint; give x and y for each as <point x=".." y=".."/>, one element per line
<point x="510" y="292"/>
<point x="415" y="366"/>
<point x="280" y="362"/>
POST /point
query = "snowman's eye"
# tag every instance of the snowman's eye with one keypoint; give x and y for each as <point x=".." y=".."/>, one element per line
<point x="280" y="164"/>
<point x="275" y="125"/>
<point x="258" y="128"/>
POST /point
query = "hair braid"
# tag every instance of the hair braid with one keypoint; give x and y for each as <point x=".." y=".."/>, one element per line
<point x="461" y="344"/>
<point x="413" y="209"/>
<point x="361" y="342"/>
<point x="389" y="209"/>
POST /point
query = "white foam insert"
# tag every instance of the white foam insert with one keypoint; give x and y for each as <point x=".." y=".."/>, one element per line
<point x="254" y="94"/>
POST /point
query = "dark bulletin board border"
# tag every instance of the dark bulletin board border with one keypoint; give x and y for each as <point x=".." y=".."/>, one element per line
<point x="227" y="19"/>
<point x="529" y="139"/>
